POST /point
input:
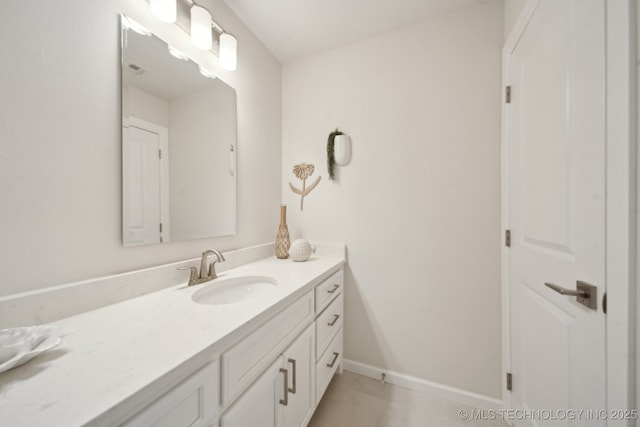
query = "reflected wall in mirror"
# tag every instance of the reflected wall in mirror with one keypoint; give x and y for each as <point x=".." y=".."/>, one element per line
<point x="178" y="146"/>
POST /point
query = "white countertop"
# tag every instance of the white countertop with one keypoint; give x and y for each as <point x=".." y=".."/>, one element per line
<point x="121" y="355"/>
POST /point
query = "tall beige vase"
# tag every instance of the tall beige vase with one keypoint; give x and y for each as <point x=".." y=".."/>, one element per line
<point x="282" y="238"/>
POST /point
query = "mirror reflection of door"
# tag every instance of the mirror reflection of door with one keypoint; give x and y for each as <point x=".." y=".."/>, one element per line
<point x="141" y="189"/>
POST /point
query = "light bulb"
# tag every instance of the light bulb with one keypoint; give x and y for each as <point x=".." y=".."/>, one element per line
<point x="201" y="28"/>
<point x="164" y="10"/>
<point x="228" y="52"/>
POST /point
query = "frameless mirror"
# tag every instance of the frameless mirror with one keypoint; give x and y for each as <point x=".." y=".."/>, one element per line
<point x="178" y="146"/>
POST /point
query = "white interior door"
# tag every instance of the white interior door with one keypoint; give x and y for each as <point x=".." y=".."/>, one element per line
<point x="556" y="209"/>
<point x="141" y="186"/>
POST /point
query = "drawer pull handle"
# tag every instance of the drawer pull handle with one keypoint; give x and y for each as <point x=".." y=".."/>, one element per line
<point x="335" y="288"/>
<point x="285" y="401"/>
<point x="333" y="362"/>
<point x="335" y="319"/>
<point x="293" y="389"/>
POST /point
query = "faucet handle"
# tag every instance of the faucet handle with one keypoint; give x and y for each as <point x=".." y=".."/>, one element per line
<point x="212" y="269"/>
<point x="193" y="276"/>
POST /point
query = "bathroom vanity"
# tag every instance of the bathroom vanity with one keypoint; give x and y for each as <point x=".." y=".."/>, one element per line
<point x="168" y="359"/>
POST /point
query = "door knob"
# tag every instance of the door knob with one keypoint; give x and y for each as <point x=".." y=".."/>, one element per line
<point x="585" y="293"/>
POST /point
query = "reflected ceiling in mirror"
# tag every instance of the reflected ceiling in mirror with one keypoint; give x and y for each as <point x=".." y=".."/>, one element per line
<point x="178" y="146"/>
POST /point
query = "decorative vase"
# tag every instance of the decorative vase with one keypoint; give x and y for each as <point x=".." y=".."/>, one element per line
<point x="282" y="238"/>
<point x="301" y="250"/>
<point x="342" y="149"/>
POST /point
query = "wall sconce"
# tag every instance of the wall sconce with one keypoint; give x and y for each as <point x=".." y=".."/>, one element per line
<point x="201" y="30"/>
<point x="164" y="10"/>
<point x="201" y="27"/>
<point x="228" y="52"/>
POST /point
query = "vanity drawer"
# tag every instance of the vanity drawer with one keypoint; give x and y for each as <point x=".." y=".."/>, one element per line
<point x="327" y="365"/>
<point x="328" y="324"/>
<point x="245" y="361"/>
<point x="192" y="403"/>
<point x="327" y="290"/>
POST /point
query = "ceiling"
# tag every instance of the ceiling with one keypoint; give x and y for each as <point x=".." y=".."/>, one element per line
<point x="293" y="29"/>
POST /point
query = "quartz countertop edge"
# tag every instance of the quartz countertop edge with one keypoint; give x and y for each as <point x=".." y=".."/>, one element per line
<point x="124" y="355"/>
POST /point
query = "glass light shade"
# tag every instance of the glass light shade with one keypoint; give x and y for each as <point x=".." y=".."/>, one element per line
<point x="201" y="28"/>
<point x="228" y="52"/>
<point x="164" y="10"/>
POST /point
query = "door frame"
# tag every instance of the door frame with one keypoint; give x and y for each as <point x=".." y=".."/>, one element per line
<point x="620" y="203"/>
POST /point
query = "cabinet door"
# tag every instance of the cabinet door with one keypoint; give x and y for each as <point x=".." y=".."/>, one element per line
<point x="260" y="405"/>
<point x="192" y="403"/>
<point x="299" y="361"/>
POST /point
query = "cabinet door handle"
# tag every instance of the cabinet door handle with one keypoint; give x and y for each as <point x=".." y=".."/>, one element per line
<point x="285" y="401"/>
<point x="293" y="389"/>
<point x="335" y="319"/>
<point x="335" y="288"/>
<point x="333" y="362"/>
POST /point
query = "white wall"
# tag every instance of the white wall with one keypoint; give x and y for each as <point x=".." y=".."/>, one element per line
<point x="419" y="204"/>
<point x="512" y="10"/>
<point x="60" y="156"/>
<point x="201" y="122"/>
<point x="143" y="105"/>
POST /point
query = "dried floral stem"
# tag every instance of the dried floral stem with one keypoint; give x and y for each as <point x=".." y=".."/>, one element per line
<point x="303" y="171"/>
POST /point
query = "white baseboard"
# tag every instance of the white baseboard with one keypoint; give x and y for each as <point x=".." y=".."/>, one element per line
<point x="473" y="400"/>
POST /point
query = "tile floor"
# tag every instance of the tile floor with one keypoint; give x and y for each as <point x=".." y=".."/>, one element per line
<point x="356" y="401"/>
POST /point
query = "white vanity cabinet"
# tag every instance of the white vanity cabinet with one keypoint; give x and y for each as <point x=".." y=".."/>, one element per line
<point x="300" y="364"/>
<point x="259" y="405"/>
<point x="273" y="377"/>
<point x="328" y="324"/>
<point x="283" y="396"/>
<point x="192" y="403"/>
<point x="245" y="361"/>
<point x="288" y="391"/>
<point x="180" y="361"/>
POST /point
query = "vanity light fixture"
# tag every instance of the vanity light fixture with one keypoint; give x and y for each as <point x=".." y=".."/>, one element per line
<point x="228" y="52"/>
<point x="164" y="10"/>
<point x="202" y="30"/>
<point x="201" y="36"/>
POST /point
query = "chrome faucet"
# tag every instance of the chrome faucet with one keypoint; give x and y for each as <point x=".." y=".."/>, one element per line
<point x="206" y="274"/>
<point x="211" y="273"/>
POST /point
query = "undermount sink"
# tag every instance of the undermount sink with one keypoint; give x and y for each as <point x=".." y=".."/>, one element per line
<point x="234" y="290"/>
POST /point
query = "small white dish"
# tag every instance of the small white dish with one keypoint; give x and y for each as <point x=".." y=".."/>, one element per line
<point x="19" y="345"/>
<point x="12" y="342"/>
